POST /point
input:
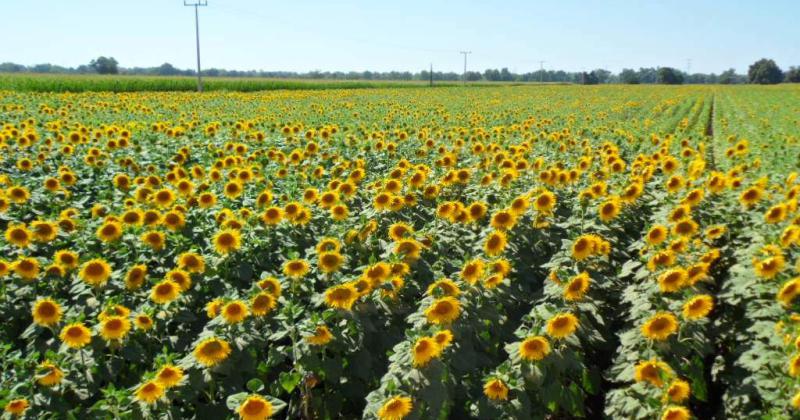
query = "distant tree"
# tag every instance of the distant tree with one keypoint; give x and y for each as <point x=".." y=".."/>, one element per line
<point x="105" y="65"/>
<point x="167" y="69"/>
<point x="472" y="76"/>
<point x="727" y="77"/>
<point x="602" y="75"/>
<point x="589" y="78"/>
<point x="629" y="76"/>
<point x="506" y="75"/>
<point x="12" y="68"/>
<point x="669" y="76"/>
<point x="793" y="75"/>
<point x="764" y="72"/>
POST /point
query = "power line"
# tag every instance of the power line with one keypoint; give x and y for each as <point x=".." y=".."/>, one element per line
<point x="196" y="4"/>
<point x="466" y="53"/>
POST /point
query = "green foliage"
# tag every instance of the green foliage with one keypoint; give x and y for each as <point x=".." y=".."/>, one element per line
<point x="765" y="72"/>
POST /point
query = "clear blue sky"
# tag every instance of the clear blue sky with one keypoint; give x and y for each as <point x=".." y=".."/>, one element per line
<point x="303" y="35"/>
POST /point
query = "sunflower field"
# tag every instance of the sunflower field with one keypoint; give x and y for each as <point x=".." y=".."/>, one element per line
<point x="521" y="252"/>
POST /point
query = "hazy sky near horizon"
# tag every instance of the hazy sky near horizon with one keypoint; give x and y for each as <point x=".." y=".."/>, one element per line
<point x="303" y="35"/>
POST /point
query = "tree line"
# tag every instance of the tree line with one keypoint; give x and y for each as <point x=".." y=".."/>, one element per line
<point x="763" y="71"/>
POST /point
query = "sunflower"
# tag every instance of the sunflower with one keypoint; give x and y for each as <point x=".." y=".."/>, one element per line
<point x="445" y="287"/>
<point x="66" y="258"/>
<point x="115" y="328"/>
<point x="134" y="279"/>
<point x="180" y="277"/>
<point x="255" y="407"/>
<point x="583" y="247"/>
<point x="143" y="322"/>
<point x="545" y="202"/>
<point x="496" y="390"/>
<point x="75" y="335"/>
<point x="794" y="366"/>
<point x="424" y="350"/>
<point x="26" y="267"/>
<point x="562" y="325"/>
<point x="339" y="212"/>
<point x="477" y="211"/>
<point x="262" y="304"/>
<point x="169" y="376"/>
<point x="609" y="209"/>
<point x="109" y="231"/>
<point x="653" y="372"/>
<point x="408" y="248"/>
<point x="192" y="262"/>
<point x="775" y="214"/>
<point x="226" y="241"/>
<point x="165" y="292"/>
<point x="18" y="235"/>
<point x="46" y="312"/>
<point x="443" y="310"/>
<point x="44" y="231"/>
<point x="698" y="307"/>
<point x="48" y="374"/>
<point x="342" y="296"/>
<point x="95" y="272"/>
<point x="672" y="280"/>
<point x="495" y="243"/>
<point x="443" y="338"/>
<point x="322" y="336"/>
<point x="577" y="287"/>
<point x="660" y="326"/>
<point x="395" y="408"/>
<point x="17" y="407"/>
<point x="154" y="239"/>
<point x="796" y="401"/>
<point x="149" y="392"/>
<point x="751" y="196"/>
<point x="473" y="271"/>
<point x="207" y="200"/>
<point x="685" y="227"/>
<point x="271" y="285"/>
<point x="769" y="267"/>
<point x="330" y="262"/>
<point x="164" y="197"/>
<point x="212" y="351"/>
<point x="399" y="230"/>
<point x="534" y="348"/>
<point x="235" y="311"/>
<point x="377" y="273"/>
<point x="789" y="291"/>
<point x="295" y="268"/>
<point x="678" y="391"/>
<point x="656" y="235"/>
<point x="503" y="220"/>
<point x="675" y="412"/>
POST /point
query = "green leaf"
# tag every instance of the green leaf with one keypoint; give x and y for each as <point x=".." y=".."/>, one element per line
<point x="290" y="380"/>
<point x="255" y="385"/>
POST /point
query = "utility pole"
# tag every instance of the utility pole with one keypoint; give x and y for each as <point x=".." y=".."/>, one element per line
<point x="541" y="70"/>
<point x="196" y="4"/>
<point x="431" y="74"/>
<point x="465" y="64"/>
